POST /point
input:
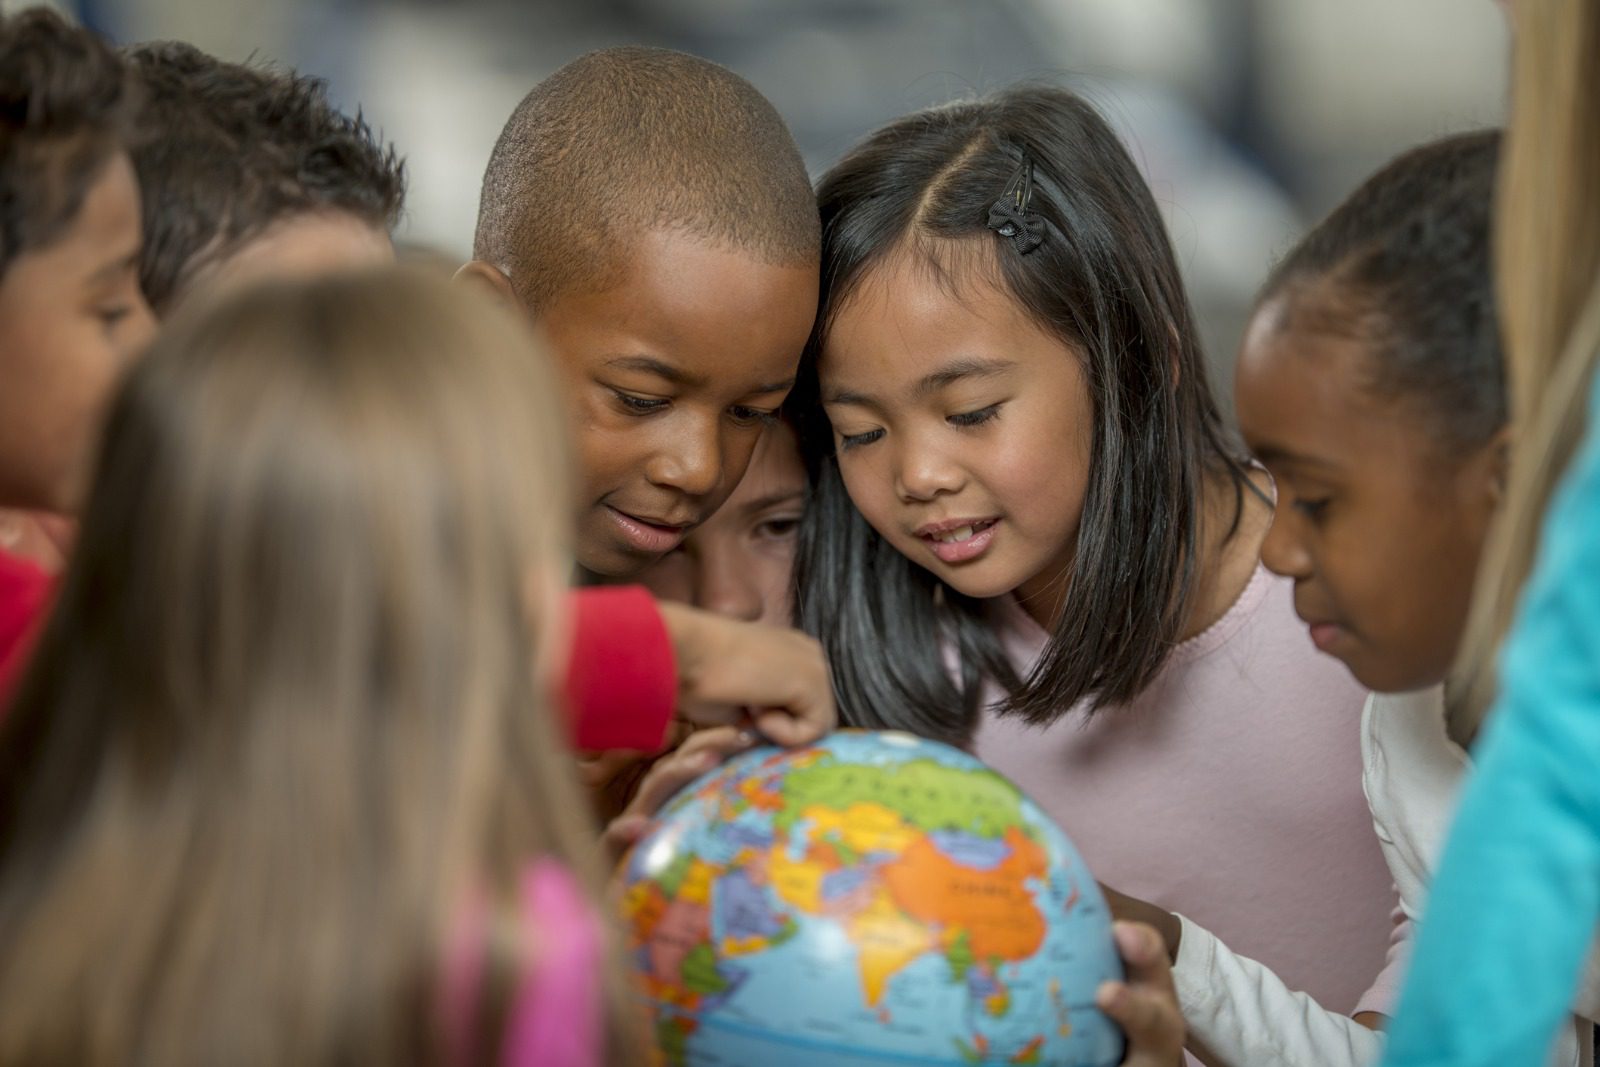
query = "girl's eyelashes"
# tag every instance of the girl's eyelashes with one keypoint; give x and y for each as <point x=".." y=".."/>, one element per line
<point x="847" y="441"/>
<point x="778" y="527"/>
<point x="639" y="405"/>
<point x="974" y="418"/>
<point x="1313" y="509"/>
<point x="744" y="415"/>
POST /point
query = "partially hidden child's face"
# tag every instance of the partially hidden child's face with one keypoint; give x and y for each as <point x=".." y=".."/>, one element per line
<point x="740" y="561"/>
<point x="964" y="431"/>
<point x="71" y="317"/>
<point x="671" y="376"/>
<point x="1379" y="525"/>
<point x="300" y="246"/>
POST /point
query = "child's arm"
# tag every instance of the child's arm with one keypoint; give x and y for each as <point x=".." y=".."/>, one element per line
<point x="634" y="662"/>
<point x="24" y="595"/>
<point x="1513" y="909"/>
<point x="1241" y="1014"/>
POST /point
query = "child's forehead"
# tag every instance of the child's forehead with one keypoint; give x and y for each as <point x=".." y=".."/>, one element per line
<point x="682" y="282"/>
<point x="691" y="313"/>
<point x="100" y="237"/>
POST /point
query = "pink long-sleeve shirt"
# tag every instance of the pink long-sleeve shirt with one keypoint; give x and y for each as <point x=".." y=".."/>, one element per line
<point x="1228" y="791"/>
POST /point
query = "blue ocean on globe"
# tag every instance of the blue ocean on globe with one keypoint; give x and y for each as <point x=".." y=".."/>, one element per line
<point x="872" y="899"/>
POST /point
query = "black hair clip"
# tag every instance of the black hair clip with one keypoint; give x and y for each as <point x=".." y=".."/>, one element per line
<point x="1010" y="217"/>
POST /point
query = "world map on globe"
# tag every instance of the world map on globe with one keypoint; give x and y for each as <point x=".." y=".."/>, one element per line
<point x="872" y="899"/>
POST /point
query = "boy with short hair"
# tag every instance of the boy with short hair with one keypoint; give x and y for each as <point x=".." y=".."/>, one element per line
<point x="650" y="210"/>
<point x="254" y="173"/>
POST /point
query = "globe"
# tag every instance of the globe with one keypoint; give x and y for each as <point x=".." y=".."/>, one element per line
<point x="871" y="899"/>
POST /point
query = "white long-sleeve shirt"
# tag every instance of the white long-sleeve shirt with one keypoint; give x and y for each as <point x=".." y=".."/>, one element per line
<point x="1243" y="1015"/>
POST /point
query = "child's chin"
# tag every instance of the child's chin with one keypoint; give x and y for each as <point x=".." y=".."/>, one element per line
<point x="981" y="582"/>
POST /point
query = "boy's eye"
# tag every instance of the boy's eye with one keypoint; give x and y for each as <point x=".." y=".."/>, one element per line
<point x="974" y="418"/>
<point x="110" y="316"/>
<point x="847" y="441"/>
<point x="746" y="415"/>
<point x="639" y="405"/>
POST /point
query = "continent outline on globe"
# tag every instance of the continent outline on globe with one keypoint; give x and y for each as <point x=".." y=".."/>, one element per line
<point x="922" y="907"/>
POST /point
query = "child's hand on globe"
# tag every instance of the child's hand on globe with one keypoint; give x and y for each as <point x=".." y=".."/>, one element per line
<point x="729" y="670"/>
<point x="1146" y="1004"/>
<point x="703" y="750"/>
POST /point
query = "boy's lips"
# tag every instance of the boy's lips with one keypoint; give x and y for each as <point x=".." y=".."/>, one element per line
<point x="959" y="540"/>
<point x="647" y="535"/>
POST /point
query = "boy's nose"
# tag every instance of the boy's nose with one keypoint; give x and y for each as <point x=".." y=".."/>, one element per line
<point x="690" y="464"/>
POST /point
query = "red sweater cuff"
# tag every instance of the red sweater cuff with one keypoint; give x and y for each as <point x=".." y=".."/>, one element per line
<point x="24" y="598"/>
<point x="622" y="681"/>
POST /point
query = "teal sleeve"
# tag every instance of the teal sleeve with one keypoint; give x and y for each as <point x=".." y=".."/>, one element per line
<point x="1513" y="908"/>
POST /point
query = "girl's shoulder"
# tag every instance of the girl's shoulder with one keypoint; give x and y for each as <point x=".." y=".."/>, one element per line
<point x="556" y="1020"/>
<point x="1259" y="604"/>
<point x="556" y="1017"/>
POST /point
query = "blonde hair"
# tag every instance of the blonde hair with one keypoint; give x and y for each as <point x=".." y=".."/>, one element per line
<point x="1548" y="274"/>
<point x="285" y="722"/>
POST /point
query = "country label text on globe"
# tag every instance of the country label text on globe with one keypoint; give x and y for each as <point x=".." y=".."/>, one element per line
<point x="872" y="899"/>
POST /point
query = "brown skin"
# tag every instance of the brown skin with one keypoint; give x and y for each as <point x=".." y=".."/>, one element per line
<point x="71" y="318"/>
<point x="299" y="246"/>
<point x="739" y="562"/>
<point x="956" y="406"/>
<point x="950" y="406"/>
<point x="1379" y="522"/>
<point x="671" y="375"/>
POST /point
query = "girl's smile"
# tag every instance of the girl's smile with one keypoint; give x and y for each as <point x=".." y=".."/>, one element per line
<point x="963" y="428"/>
<point x="959" y="540"/>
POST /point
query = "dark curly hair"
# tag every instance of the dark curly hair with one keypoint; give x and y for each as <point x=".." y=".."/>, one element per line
<point x="67" y="106"/>
<point x="234" y="148"/>
<point x="1404" y="265"/>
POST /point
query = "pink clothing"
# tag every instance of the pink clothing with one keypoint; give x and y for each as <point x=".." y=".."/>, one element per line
<point x="556" y="1018"/>
<point x="1228" y="791"/>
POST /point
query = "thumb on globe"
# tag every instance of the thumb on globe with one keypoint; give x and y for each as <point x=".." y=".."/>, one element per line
<point x="1146" y="1005"/>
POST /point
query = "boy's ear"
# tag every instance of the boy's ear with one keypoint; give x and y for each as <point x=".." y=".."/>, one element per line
<point x="490" y="280"/>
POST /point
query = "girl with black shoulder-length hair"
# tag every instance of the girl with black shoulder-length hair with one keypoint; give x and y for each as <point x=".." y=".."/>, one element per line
<point x="1031" y="534"/>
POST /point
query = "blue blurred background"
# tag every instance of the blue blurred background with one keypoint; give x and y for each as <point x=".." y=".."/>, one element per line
<point x="1250" y="117"/>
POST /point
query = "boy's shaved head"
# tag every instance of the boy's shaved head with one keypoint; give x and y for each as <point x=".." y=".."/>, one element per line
<point x="631" y="139"/>
<point x="237" y="149"/>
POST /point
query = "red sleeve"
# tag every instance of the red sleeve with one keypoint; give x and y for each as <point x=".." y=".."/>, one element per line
<point x="622" y="683"/>
<point x="24" y="595"/>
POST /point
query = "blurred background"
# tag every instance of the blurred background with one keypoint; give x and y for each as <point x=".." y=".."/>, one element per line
<point x="1250" y="117"/>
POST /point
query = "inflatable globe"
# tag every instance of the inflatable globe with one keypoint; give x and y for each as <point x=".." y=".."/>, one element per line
<point x="872" y="899"/>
